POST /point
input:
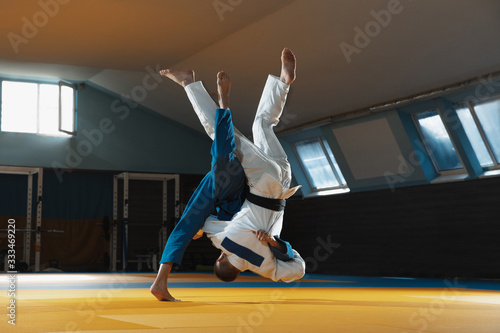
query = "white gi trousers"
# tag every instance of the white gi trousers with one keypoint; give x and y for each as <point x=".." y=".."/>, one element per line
<point x="268" y="175"/>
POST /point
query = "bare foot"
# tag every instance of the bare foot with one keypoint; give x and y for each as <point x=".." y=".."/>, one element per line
<point x="182" y="77"/>
<point x="161" y="293"/>
<point x="223" y="88"/>
<point x="287" y="66"/>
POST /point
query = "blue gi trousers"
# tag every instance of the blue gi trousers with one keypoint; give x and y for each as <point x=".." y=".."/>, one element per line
<point x="222" y="189"/>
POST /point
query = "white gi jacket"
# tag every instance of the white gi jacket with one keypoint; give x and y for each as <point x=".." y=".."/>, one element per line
<point x="268" y="174"/>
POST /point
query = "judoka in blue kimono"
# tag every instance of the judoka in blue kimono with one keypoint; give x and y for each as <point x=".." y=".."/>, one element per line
<point x="247" y="185"/>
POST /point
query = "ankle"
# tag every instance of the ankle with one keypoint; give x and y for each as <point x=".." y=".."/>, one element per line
<point x="186" y="82"/>
<point x="224" y="102"/>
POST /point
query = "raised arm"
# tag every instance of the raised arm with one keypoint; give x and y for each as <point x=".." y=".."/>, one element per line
<point x="280" y="248"/>
<point x="291" y="270"/>
<point x="289" y="264"/>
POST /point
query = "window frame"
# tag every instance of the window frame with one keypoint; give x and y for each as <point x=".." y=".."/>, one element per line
<point x="319" y="139"/>
<point x="66" y="84"/>
<point x="470" y="105"/>
<point x="454" y="172"/>
<point x="38" y="83"/>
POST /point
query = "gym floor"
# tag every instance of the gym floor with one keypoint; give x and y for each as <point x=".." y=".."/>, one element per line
<point x="121" y="302"/>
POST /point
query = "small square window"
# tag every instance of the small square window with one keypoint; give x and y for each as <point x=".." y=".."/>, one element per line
<point x="481" y="121"/>
<point x="475" y="137"/>
<point x="319" y="164"/>
<point x="437" y="141"/>
<point x="488" y="114"/>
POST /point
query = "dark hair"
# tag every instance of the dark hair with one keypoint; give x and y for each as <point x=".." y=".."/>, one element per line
<point x="225" y="271"/>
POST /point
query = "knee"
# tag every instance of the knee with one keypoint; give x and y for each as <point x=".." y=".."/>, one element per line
<point x="261" y="124"/>
<point x="228" y="171"/>
<point x="229" y="179"/>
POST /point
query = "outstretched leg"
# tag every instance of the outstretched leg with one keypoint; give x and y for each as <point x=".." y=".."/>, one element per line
<point x="202" y="103"/>
<point x="229" y="176"/>
<point x="271" y="106"/>
<point x="200" y="206"/>
<point x="222" y="188"/>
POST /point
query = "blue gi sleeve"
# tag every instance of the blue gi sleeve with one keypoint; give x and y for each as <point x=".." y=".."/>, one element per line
<point x="282" y="255"/>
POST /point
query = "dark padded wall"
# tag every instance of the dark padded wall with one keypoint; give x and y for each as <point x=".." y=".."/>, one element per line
<point x="438" y="230"/>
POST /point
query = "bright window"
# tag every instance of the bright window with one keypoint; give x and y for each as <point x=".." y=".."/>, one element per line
<point x="481" y="121"/>
<point x="475" y="137"/>
<point x="488" y="114"/>
<point x="319" y="164"/>
<point x="66" y="108"/>
<point x="37" y="108"/>
<point x="437" y="141"/>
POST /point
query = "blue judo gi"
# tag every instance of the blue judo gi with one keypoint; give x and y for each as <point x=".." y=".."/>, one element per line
<point x="223" y="190"/>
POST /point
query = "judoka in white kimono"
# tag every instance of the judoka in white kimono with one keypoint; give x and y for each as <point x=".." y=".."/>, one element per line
<point x="268" y="175"/>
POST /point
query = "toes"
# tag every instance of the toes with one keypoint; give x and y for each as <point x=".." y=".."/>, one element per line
<point x="222" y="76"/>
<point x="288" y="54"/>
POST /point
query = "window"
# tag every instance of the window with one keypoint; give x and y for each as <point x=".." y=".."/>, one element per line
<point x="319" y="164"/>
<point x="66" y="108"/>
<point x="438" y="142"/>
<point x="481" y="121"/>
<point x="38" y="108"/>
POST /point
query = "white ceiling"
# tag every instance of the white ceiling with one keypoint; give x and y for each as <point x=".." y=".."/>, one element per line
<point x="112" y="43"/>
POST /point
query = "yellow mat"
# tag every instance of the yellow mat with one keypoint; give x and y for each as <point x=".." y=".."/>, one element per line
<point x="293" y="309"/>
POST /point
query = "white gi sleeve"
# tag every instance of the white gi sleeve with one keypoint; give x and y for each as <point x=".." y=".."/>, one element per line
<point x="291" y="270"/>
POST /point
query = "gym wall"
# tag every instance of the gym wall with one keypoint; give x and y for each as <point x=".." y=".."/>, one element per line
<point x="112" y="136"/>
<point x="81" y="206"/>
<point x="436" y="231"/>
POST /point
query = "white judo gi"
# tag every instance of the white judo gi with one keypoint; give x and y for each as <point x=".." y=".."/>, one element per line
<point x="268" y="175"/>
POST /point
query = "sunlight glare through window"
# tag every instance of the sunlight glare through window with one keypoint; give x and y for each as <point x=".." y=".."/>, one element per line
<point x="316" y="164"/>
<point x="34" y="108"/>
<point x="474" y="137"/>
<point x="68" y="112"/>
<point x="49" y="106"/>
<point x="488" y="114"/>
<point x="19" y="107"/>
<point x="335" y="164"/>
<point x="438" y="142"/>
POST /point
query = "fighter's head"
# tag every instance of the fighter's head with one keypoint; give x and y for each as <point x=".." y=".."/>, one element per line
<point x="224" y="270"/>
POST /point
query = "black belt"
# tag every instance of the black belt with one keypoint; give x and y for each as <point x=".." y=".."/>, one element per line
<point x="272" y="204"/>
